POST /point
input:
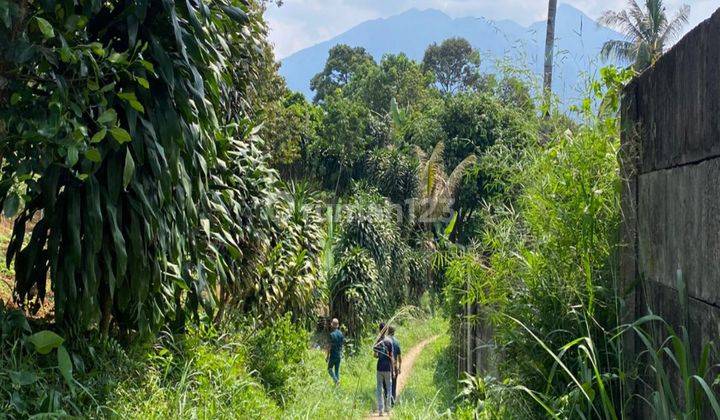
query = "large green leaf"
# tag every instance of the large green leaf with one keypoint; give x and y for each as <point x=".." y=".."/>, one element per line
<point x="93" y="155"/>
<point x="129" y="168"/>
<point x="99" y="136"/>
<point x="236" y="13"/>
<point x="45" y="341"/>
<point x="109" y="116"/>
<point x="65" y="366"/>
<point x="120" y="134"/>
<point x="175" y="100"/>
<point x="23" y="378"/>
<point x="45" y="27"/>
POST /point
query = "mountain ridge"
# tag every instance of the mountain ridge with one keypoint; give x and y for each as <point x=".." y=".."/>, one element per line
<point x="578" y="42"/>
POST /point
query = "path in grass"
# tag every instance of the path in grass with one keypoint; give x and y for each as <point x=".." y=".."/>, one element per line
<point x="432" y="386"/>
<point x="355" y="397"/>
<point x="408" y="364"/>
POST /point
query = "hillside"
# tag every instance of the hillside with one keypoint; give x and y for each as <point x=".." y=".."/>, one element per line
<point x="579" y="40"/>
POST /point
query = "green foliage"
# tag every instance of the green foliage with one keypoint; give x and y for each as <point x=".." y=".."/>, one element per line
<point x="36" y="370"/>
<point x="342" y="63"/>
<point x="511" y="90"/>
<point x="294" y="126"/>
<point x="201" y="373"/>
<point x="673" y="378"/>
<point x="371" y="272"/>
<point x="455" y="63"/>
<point x="551" y="252"/>
<point x="238" y="227"/>
<point x="474" y="122"/>
<point x="150" y="189"/>
<point x="264" y="243"/>
<point x="648" y="30"/>
<point x="487" y="398"/>
<point x="277" y="352"/>
<point x="543" y="274"/>
<point x="356" y="294"/>
<point x="348" y="133"/>
<point x="393" y="173"/>
<point x="112" y="142"/>
<point x="438" y="188"/>
<point x="288" y="278"/>
<point x="395" y="77"/>
<point x="376" y="129"/>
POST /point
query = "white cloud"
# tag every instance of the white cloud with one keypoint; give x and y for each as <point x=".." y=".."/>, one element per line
<point x="302" y="23"/>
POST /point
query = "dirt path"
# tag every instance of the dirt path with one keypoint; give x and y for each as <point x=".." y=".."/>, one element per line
<point x="408" y="361"/>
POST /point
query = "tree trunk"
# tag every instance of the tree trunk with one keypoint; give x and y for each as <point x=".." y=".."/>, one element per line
<point x="549" y="48"/>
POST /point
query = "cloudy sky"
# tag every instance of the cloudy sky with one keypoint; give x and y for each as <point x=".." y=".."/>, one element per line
<point x="301" y="23"/>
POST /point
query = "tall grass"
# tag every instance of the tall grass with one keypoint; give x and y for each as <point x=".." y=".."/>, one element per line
<point x="203" y="373"/>
<point x="673" y="385"/>
<point x="545" y="274"/>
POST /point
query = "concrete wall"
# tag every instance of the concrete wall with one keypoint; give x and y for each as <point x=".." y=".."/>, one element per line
<point x="671" y="199"/>
<point x="476" y="350"/>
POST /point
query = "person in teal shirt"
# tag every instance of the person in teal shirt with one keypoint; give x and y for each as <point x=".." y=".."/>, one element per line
<point x="334" y="351"/>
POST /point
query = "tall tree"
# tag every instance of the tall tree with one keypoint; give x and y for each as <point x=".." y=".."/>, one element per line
<point x="647" y="31"/>
<point x="455" y="63"/>
<point x="549" y="48"/>
<point x="343" y="61"/>
<point x="395" y="77"/>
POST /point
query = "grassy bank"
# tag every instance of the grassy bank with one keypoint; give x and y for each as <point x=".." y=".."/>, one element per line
<point x="253" y="373"/>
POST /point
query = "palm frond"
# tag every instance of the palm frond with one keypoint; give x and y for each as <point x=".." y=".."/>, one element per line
<point x="438" y="152"/>
<point x="431" y="178"/>
<point x="675" y="25"/>
<point x="647" y="31"/>
<point x="421" y="155"/>
<point x="618" y="49"/>
<point x="457" y="174"/>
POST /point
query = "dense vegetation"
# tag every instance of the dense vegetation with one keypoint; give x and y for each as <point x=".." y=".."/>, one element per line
<point x="183" y="224"/>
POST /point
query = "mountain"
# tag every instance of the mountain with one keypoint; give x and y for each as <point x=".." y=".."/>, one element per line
<point x="578" y="43"/>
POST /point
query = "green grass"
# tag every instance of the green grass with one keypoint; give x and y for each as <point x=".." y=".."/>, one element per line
<point x="194" y="378"/>
<point x="205" y="374"/>
<point x="432" y="386"/>
<point x="355" y="397"/>
<point x="201" y="379"/>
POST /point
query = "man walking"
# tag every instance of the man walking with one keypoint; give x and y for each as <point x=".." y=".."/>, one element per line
<point x="334" y="351"/>
<point x="397" y="353"/>
<point x="383" y="350"/>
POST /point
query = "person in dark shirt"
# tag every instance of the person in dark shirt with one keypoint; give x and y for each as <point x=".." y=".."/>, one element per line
<point x="383" y="350"/>
<point x="397" y="353"/>
<point x="334" y="351"/>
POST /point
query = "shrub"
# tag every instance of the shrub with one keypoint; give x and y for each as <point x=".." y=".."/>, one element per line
<point x="394" y="173"/>
<point x="278" y="352"/>
<point x="371" y="274"/>
<point x="115" y="116"/>
<point x="200" y="373"/>
<point x="356" y="294"/>
<point x="543" y="267"/>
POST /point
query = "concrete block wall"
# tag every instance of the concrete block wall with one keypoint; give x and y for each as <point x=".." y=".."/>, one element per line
<point x="476" y="352"/>
<point x="670" y="159"/>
